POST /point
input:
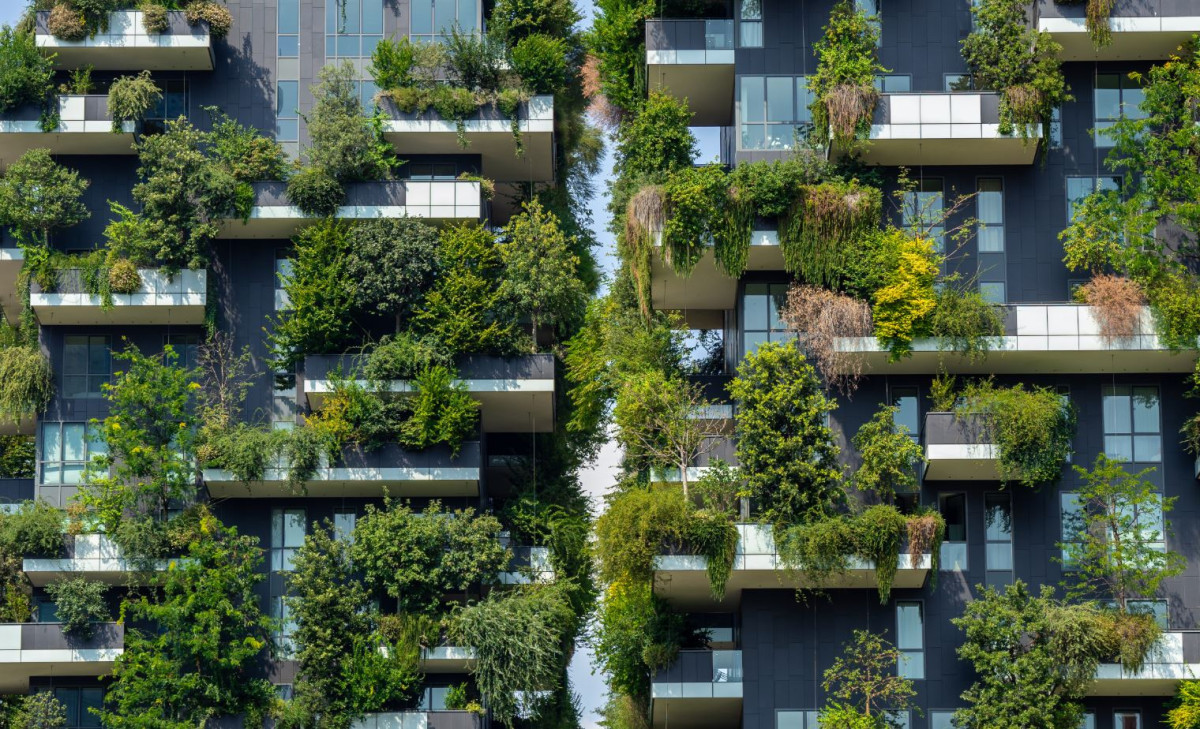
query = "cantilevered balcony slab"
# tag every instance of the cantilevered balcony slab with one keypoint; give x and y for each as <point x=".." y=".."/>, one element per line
<point x="436" y="202"/>
<point x="127" y="46"/>
<point x="701" y="689"/>
<point x="11" y="261"/>
<point x="448" y="659"/>
<point x="93" y="556"/>
<point x="30" y="650"/>
<point x="1176" y="658"/>
<point x="420" y="720"/>
<point x="162" y="299"/>
<point x="958" y="448"/>
<point x="1049" y="339"/>
<point x="515" y="394"/>
<point x="694" y="60"/>
<point x="487" y="133"/>
<point x="942" y="129"/>
<point x="682" y="578"/>
<point x="1142" y="30"/>
<point x="390" y="469"/>
<point x="84" y="127"/>
<point x="707" y="292"/>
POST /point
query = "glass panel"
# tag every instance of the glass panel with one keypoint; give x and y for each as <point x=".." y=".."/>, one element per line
<point x="778" y="301"/>
<point x="941" y="720"/>
<point x="780" y="103"/>
<point x="1108" y="96"/>
<point x="1145" y="410"/>
<point x="1127" y="720"/>
<point x="288" y="46"/>
<point x="753" y="136"/>
<point x="1117" y="410"/>
<point x="75" y="356"/>
<point x="912" y="664"/>
<point x="751" y="35"/>
<point x="1147" y="448"/>
<point x="74" y="445"/>
<point x="752" y="340"/>
<point x="993" y="292"/>
<point x="1157" y="608"/>
<point x="372" y="16"/>
<point x="750" y="9"/>
<point x="1119" y="447"/>
<point x="905" y="398"/>
<point x="804" y="100"/>
<point x="289" y="16"/>
<point x="347" y="45"/>
<point x="789" y="720"/>
<point x="72" y="473"/>
<point x="422" y="17"/>
<point x="991" y="239"/>
<point x="343" y="525"/>
<point x="467" y="15"/>
<point x="287" y="129"/>
<point x="997" y="517"/>
<point x="90" y="698"/>
<point x="953" y="557"/>
<point x="754" y="306"/>
<point x="287" y="98"/>
<point x="999" y="556"/>
<point x="70" y="700"/>
<point x="1088" y="722"/>
<point x="51" y="441"/>
<point x="909" y="621"/>
<point x="954" y="510"/>
<point x="445" y="13"/>
<point x="991" y="200"/>
<point x="293" y="528"/>
<point x="1131" y="100"/>
<point x="752" y="98"/>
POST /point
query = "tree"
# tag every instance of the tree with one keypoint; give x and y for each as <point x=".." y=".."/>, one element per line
<point x="25" y="72"/>
<point x="541" y="276"/>
<point x="17" y="456"/>
<point x="1185" y="707"/>
<point x="343" y="142"/>
<point x="79" y="604"/>
<point x="392" y="263"/>
<point x="1121" y="526"/>
<point x="38" y="195"/>
<point x="889" y="456"/>
<point x="40" y="710"/>
<point x="784" y="445"/>
<point x="660" y="421"/>
<point x="842" y="95"/>
<point x="863" y="687"/>
<point x="201" y="661"/>
<point x="342" y="672"/>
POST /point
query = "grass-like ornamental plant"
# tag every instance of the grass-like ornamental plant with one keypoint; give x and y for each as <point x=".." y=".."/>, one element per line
<point x="130" y="98"/>
<point x="26" y="382"/>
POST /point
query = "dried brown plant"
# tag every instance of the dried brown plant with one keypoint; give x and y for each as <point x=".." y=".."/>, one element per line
<point x="848" y="106"/>
<point x="820" y="317"/>
<point x="1118" y="303"/>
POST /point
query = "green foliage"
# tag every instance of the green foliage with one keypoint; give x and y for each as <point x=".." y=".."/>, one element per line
<point x="861" y="685"/>
<point x="202" y="661"/>
<point x="963" y="322"/>
<point x="343" y="140"/>
<point x="392" y="63"/>
<point x="403" y="356"/>
<point x="78" y="604"/>
<point x="95" y="12"/>
<point x="476" y="61"/>
<point x="35" y="529"/>
<point x="902" y="308"/>
<point x="25" y="73"/>
<point x="249" y="155"/>
<point x="1033" y="429"/>
<point x="653" y="145"/>
<point x="245" y="450"/>
<point x="517" y="20"/>
<point x="1006" y="54"/>
<point x="783" y="443"/>
<point x="418" y="558"/>
<point x="720" y="489"/>
<point x="40" y="710"/>
<point x="315" y="191"/>
<point x="18" y="457"/>
<point x="65" y="23"/>
<point x="154" y="17"/>
<point x="617" y="41"/>
<point x="842" y="88"/>
<point x="822" y="548"/>
<point x="38" y="195"/>
<point x="218" y="17"/>
<point x="130" y="98"/>
<point x="638" y="633"/>
<point x="1122" y="521"/>
<point x="657" y="425"/>
<point x="26" y="383"/>
<point x="543" y="62"/>
<point x="392" y="264"/>
<point x="889" y="456"/>
<point x="442" y="412"/>
<point x="1185" y="706"/>
<point x="821" y="229"/>
<point x="520" y="641"/>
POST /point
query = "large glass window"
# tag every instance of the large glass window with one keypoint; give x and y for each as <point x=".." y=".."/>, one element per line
<point x="433" y="698"/>
<point x="750" y="24"/>
<point x="774" y="111"/>
<point x="1127" y="720"/>
<point x="1073" y="527"/>
<point x="288" y="527"/>
<point x="1132" y="431"/>
<point x="953" y="508"/>
<point x="352" y="30"/>
<point x="761" y="318"/>
<point x="904" y="399"/>
<point x="79" y="703"/>
<point x="941" y="720"/>
<point x="1117" y="96"/>
<point x="66" y="450"/>
<point x="871" y="9"/>
<point x="343" y="524"/>
<point x="433" y="20"/>
<point x="922" y="209"/>
<point x="997" y="519"/>
<point x="990" y="212"/>
<point x="1088" y="721"/>
<point x="1157" y="608"/>
<point x="173" y="103"/>
<point x="910" y="639"/>
<point x="796" y="719"/>
<point x="287" y="111"/>
<point x="186" y="348"/>
<point x="87" y="365"/>
<point x="287" y="29"/>
<point x="1078" y="188"/>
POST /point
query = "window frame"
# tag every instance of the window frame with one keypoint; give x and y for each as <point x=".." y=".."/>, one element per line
<point x="907" y="656"/>
<point x="88" y="375"/>
<point x="1133" y="434"/>
<point x="92" y="447"/>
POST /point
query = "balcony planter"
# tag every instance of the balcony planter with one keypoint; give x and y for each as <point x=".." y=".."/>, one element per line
<point x="127" y="44"/>
<point x="162" y="299"/>
<point x="84" y="127"/>
<point x="693" y="59"/>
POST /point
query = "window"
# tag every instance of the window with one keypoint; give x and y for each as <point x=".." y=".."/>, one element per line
<point x="433" y="698"/>
<point x="1088" y="721"/>
<point x="1073" y="527"/>
<point x="87" y="365"/>
<point x="1078" y="188"/>
<point x="908" y="413"/>
<point x="282" y="613"/>
<point x="990" y="212"/>
<point x="1117" y="96"/>
<point x="1131" y="424"/>
<point x="1056" y="137"/>
<point x="941" y="720"/>
<point x="287" y="536"/>
<point x="774" y="111"/>
<point x="922" y="209"/>
<point x="186" y="347"/>
<point x="173" y="103"/>
<point x="432" y="171"/>
<point x="900" y="719"/>
<point x="893" y="84"/>
<point x="343" y="524"/>
<point x="993" y="292"/>
<point x="953" y="508"/>
<point x="352" y="30"/>
<point x="432" y="20"/>
<point x="283" y="402"/>
<point x="761" y="321"/>
<point x="727" y="666"/>
<point x="796" y="719"/>
<point x="287" y="29"/>
<point x="997" y="521"/>
<point x="750" y="26"/>
<point x="910" y="639"/>
<point x="67" y="448"/>
<point x="952" y="82"/>
<point x="283" y="271"/>
<point x="79" y="702"/>
<point x="1127" y="720"/>
<point x="871" y="9"/>
<point x="1157" y="608"/>
<point x="287" y="111"/>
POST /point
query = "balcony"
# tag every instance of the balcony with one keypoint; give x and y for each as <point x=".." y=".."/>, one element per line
<point x="161" y="300"/>
<point x="515" y="394"/>
<point x="700" y="689"/>
<point x="93" y="556"/>
<point x="84" y="127"/>
<point x="440" y="202"/>
<point x="128" y="46"/>
<point x="530" y="565"/>
<point x="488" y="133"/>
<point x="1176" y="658"/>
<point x="693" y="59"/>
<point x="433" y="472"/>
<point x="11" y="261"/>
<point x="681" y="578"/>
<point x="958" y="449"/>
<point x="942" y="129"/>
<point x="707" y="292"/>
<point x="447" y="659"/>
<point x="40" y="649"/>
<point x="420" y="720"/>
<point x="1142" y="30"/>
<point x="1043" y="338"/>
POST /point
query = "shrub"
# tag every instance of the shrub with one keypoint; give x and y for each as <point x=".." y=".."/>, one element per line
<point x="476" y="61"/>
<point x="38" y="195"/>
<point x="40" y="710"/>
<point x="123" y="277"/>
<point x="823" y="227"/>
<point x="35" y="529"/>
<point x="315" y="191"/>
<point x="154" y="17"/>
<point x="344" y="142"/>
<point x="392" y="62"/>
<point x="442" y="412"/>
<point x="963" y="322"/>
<point x="889" y="456"/>
<point x="95" y="12"/>
<point x="820" y="318"/>
<point x="543" y="63"/>
<point x="842" y="88"/>
<point x="79" y="603"/>
<point x="1118" y="303"/>
<point x="393" y="262"/>
<point x="1032" y="429"/>
<point x="218" y="17"/>
<point x="26" y="382"/>
<point x="249" y="155"/>
<point x="403" y="356"/>
<point x="25" y="74"/>
<point x="66" y="23"/>
<point x="902" y="308"/>
<point x="1175" y="302"/>
<point x="130" y="98"/>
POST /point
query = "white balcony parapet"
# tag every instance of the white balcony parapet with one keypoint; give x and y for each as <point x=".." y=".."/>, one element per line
<point x="84" y="127"/>
<point x="42" y="649"/>
<point x="419" y="720"/>
<point x="126" y="45"/>
<point x="685" y="704"/>
<point x="95" y="556"/>
<point x="693" y="59"/>
<point x="1165" y="667"/>
<point x="162" y="299"/>
<point x="1141" y="30"/>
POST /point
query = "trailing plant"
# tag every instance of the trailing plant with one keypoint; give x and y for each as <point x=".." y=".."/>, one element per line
<point x="823" y="226"/>
<point x="442" y="412"/>
<point x="1032" y="429"/>
<point x="65" y="23"/>
<point x="1098" y="23"/>
<point x="25" y="74"/>
<point x="821" y="318"/>
<point x="638" y="633"/>
<point x="843" y="89"/>
<point x="889" y="456"/>
<point x="618" y="61"/>
<point x="130" y="99"/>
<point x="1117" y="304"/>
<point x="964" y="322"/>
<point x="26" y="383"/>
<point x="38" y="195"/>
<point x="79" y="603"/>
<point x="926" y="530"/>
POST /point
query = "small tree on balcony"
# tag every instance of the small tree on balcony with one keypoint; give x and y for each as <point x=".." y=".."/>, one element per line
<point x="843" y="92"/>
<point x="863" y="686"/>
<point x="38" y="195"/>
<point x="889" y="456"/>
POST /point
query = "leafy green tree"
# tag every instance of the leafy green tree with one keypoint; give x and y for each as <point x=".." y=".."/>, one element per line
<point x="863" y="686"/>
<point x="418" y="558"/>
<point x="249" y="155"/>
<point x="540" y="271"/>
<point x="889" y="456"/>
<point x="651" y="146"/>
<point x="514" y="20"/>
<point x="38" y="195"/>
<point x="79" y="603"/>
<point x="784" y="444"/>
<point x="201" y="662"/>
<point x="25" y="72"/>
<point x="392" y="263"/>
<point x="343" y="140"/>
<point x="40" y="710"/>
<point x="342" y="672"/>
<point x="1185" y="706"/>
<point x="442" y="412"/>
<point x="617" y="40"/>
<point x="1121" y="529"/>
<point x="638" y="632"/>
<point x="17" y="456"/>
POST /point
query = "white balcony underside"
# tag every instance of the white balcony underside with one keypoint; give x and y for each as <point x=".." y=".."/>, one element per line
<point x="1133" y="39"/>
<point x="707" y="292"/>
<point x="961" y="462"/>
<point x="126" y="45"/>
<point x="704" y="78"/>
<point x="1160" y="676"/>
<point x="696" y="705"/>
